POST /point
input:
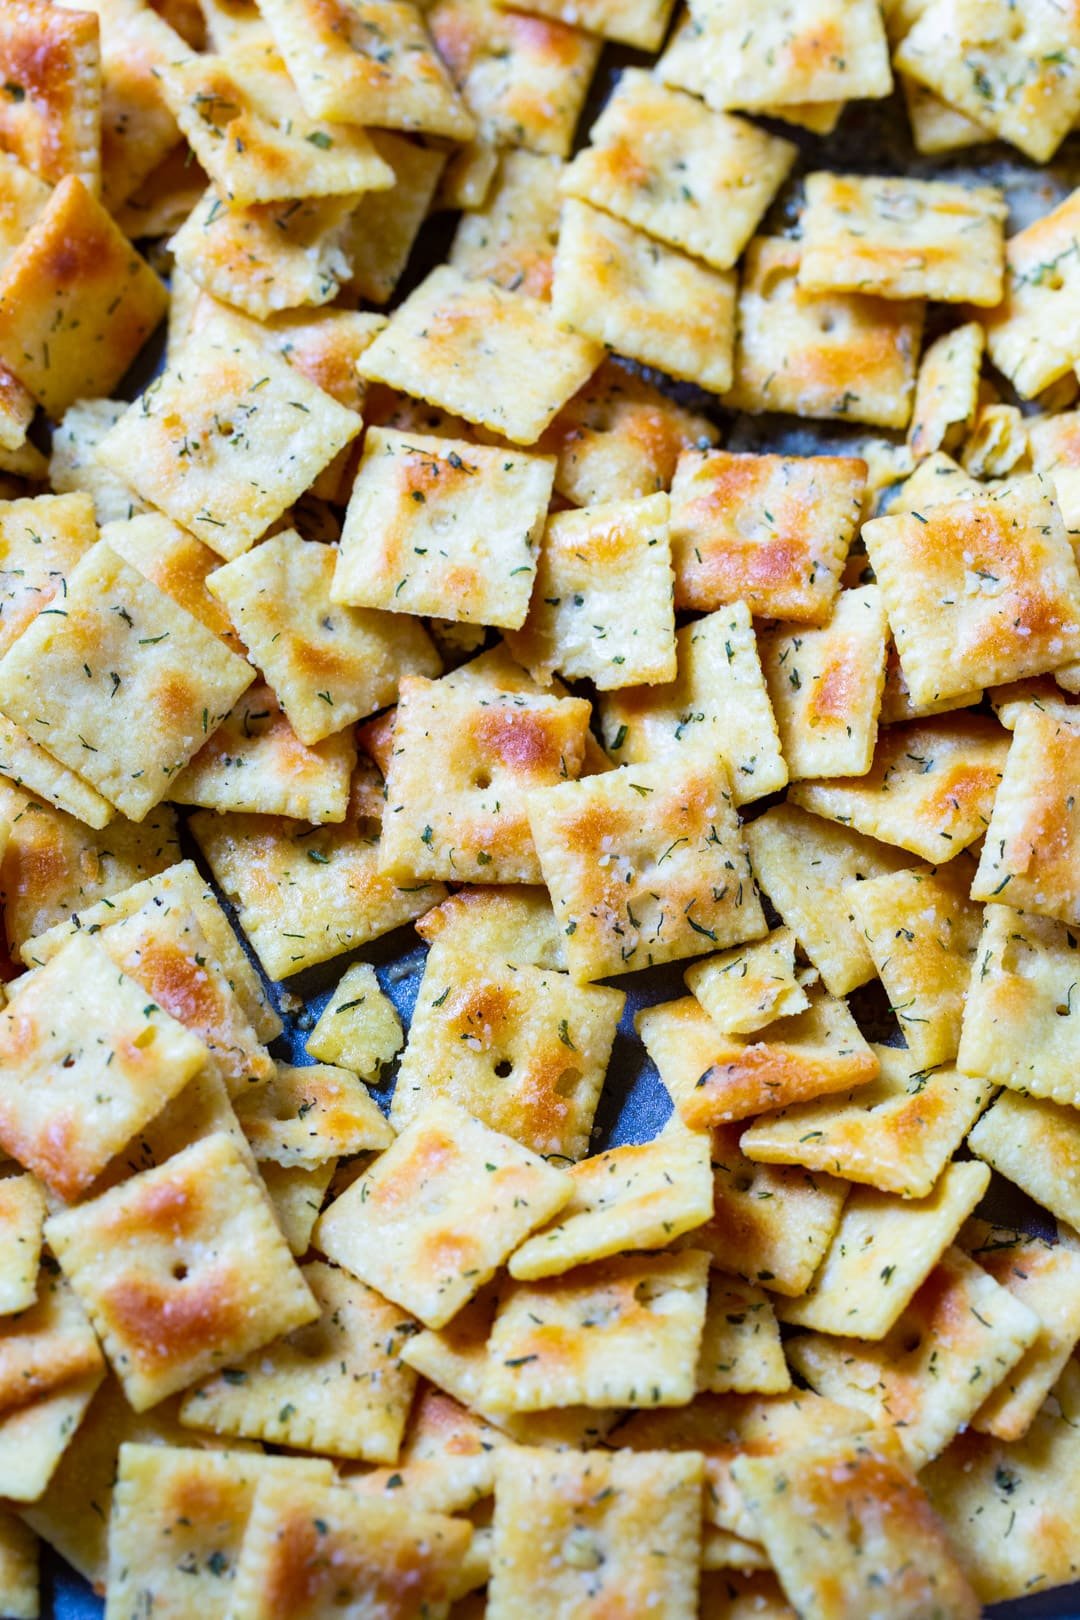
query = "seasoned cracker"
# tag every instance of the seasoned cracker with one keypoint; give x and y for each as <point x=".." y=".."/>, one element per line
<point x="1036" y="1144"/>
<point x="732" y="1593"/>
<point x="35" y="772"/>
<point x="378" y="236"/>
<point x="997" y="444"/>
<point x="51" y="115"/>
<point x="740" y="1347"/>
<point x="512" y="926"/>
<point x="749" y="986"/>
<point x="642" y="23"/>
<point x="511" y="239"/>
<point x="73" y="463"/>
<point x="34" y="1438"/>
<point x="1035" y="330"/>
<point x="946" y="390"/>
<point x="307" y="1115"/>
<point x="174" y="561"/>
<point x="138" y="132"/>
<point x="46" y="1346"/>
<point x="297" y="1196"/>
<point x="22" y="1216"/>
<point x="359" y="1027"/>
<point x="935" y="126"/>
<point x="1030" y="857"/>
<point x="41" y="540"/>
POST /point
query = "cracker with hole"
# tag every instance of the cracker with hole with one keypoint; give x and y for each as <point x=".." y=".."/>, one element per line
<point x="750" y="986"/>
<point x="523" y="1049"/>
<point x="1036" y="327"/>
<point x="35" y="772"/>
<point x="741" y="1351"/>
<point x="181" y="1268"/>
<point x="471" y="347"/>
<point x="955" y="1342"/>
<point x="602" y="600"/>
<point x="877" y="1532"/>
<point x="379" y="234"/>
<point x="620" y="1332"/>
<point x="638" y="1196"/>
<point x="336" y="1385"/>
<point x="45" y="1346"/>
<point x="442" y="526"/>
<point x="308" y="1114"/>
<point x="841" y="356"/>
<point x="715" y="1078"/>
<point x="436" y="1215"/>
<point x="1035" y="1144"/>
<point x="227" y="400"/>
<point x="897" y="1133"/>
<point x="616" y="286"/>
<point x="359" y="1027"/>
<point x="22" y="1216"/>
<point x="41" y="539"/>
<point x="511" y="240"/>
<point x="662" y="161"/>
<point x="94" y="1059"/>
<point x="946" y="390"/>
<point x="772" y="531"/>
<point x="825" y="686"/>
<point x="1029" y="859"/>
<point x="51" y="115"/>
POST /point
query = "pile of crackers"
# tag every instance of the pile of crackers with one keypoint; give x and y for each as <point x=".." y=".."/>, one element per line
<point x="375" y="609"/>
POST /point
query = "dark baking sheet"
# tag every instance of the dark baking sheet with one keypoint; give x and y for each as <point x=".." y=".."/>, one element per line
<point x="870" y="138"/>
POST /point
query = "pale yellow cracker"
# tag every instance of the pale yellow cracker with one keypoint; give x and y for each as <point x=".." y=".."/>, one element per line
<point x="620" y="1332"/>
<point x="307" y="1115"/>
<point x="164" y="200"/>
<point x="929" y="1375"/>
<point x="715" y="1078"/>
<point x="575" y="1534"/>
<point x="749" y="986"/>
<point x="379" y="234"/>
<point x="35" y="772"/>
<point x="602" y="603"/>
<point x="336" y="1385"/>
<point x="138" y="132"/>
<point x="22" y="1215"/>
<point x="830" y="355"/>
<point x="23" y="195"/>
<point x="511" y="239"/>
<point x="1034" y="334"/>
<point x="825" y="686"/>
<point x="1036" y="1144"/>
<point x="662" y="161"/>
<point x="740" y="1347"/>
<point x="180" y="1268"/>
<point x="946" y="390"/>
<point x="34" y="1438"/>
<point x="618" y="287"/>
<point x="930" y="789"/>
<point x="879" y="1550"/>
<point x="897" y="1133"/>
<point x="641" y="22"/>
<point x="997" y="444"/>
<point x="1031" y="857"/>
<point x="173" y="560"/>
<point x="90" y="1060"/>
<point x="41" y="540"/>
<point x="1018" y="1019"/>
<point x="329" y="665"/>
<point x="523" y="1049"/>
<point x="303" y="895"/>
<point x="897" y="703"/>
<point x="772" y="531"/>
<point x="73" y="463"/>
<point x="18" y="1569"/>
<point x="359" y="1027"/>
<point x="1040" y="692"/>
<point x="297" y="1196"/>
<point x="50" y="61"/>
<point x="717" y="706"/>
<point x="935" y="126"/>
<point x="436" y="1215"/>
<point x="1017" y="75"/>
<point x="468" y="176"/>
<point x="903" y="238"/>
<point x="1010" y="1509"/>
<point x="464" y="762"/>
<point x="46" y="1346"/>
<point x="442" y="526"/>
<point x="446" y="1463"/>
<point x="882" y="1252"/>
<point x="645" y="862"/>
<point x="639" y="1196"/>
<point x="201" y="1109"/>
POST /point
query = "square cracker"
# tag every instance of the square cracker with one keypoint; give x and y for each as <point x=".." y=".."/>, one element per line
<point x="511" y="240"/>
<point x="1010" y="1509"/>
<point x="1020" y="1016"/>
<point x="447" y="1458"/>
<point x="473" y="348"/>
<point x="897" y="1133"/>
<point x="359" y="1027"/>
<point x="618" y="287"/>
<point x="380" y="232"/>
<point x="1035" y="330"/>
<point x="749" y="986"/>
<point x="715" y="1078"/>
<point x="622" y="904"/>
<point x="76" y="301"/>
<point x="227" y="398"/>
<point x="41" y="540"/>
<point x="979" y="591"/>
<point x="1031" y="857"/>
<point x="825" y="686"/>
<point x="22" y="1216"/>
<point x="1035" y="1144"/>
<point x="662" y="161"/>
<point x="297" y="1196"/>
<point x="34" y="772"/>
<point x="522" y="1048"/>
<point x="741" y="1351"/>
<point x="716" y="706"/>
<point x="367" y="62"/>
<point x="442" y="526"/>
<point x="73" y="463"/>
<point x="122" y="684"/>
<point x="574" y="1533"/>
<point x="922" y="931"/>
<point x="1044" y="1276"/>
<point x="620" y="1332"/>
<point x="823" y="355"/>
<point x="929" y="1375"/>
<point x="1014" y="73"/>
<point x="639" y="1196"/>
<point x="880" y="1549"/>
<point x="90" y="1061"/>
<point x="946" y="390"/>
<point x="770" y="530"/>
<point x="172" y="559"/>
<point x="34" y="1438"/>
<point x="336" y="1385"/>
<point x="903" y="238"/>
<point x="46" y="1346"/>
<point x="882" y="1252"/>
<point x="602" y="604"/>
<point x="785" y="54"/>
<point x="457" y="789"/>
<point x="181" y="1268"/>
<point x="439" y="1212"/>
<point x="930" y="789"/>
<point x="309" y="1114"/>
<point x="50" y="61"/>
<point x="329" y="665"/>
<point x="642" y="23"/>
<point x="304" y="895"/>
